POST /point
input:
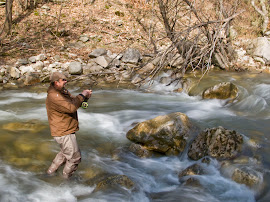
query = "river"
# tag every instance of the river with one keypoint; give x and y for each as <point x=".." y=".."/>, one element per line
<point x="27" y="148"/>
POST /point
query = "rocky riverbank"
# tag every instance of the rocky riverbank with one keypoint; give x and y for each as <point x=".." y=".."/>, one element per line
<point x="130" y="68"/>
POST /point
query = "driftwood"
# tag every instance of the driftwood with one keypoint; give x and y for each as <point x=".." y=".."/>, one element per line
<point x="262" y="10"/>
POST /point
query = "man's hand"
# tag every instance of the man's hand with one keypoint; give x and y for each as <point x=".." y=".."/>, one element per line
<point x="87" y="93"/>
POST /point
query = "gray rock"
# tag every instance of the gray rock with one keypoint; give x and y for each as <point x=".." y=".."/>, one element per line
<point x="102" y="61"/>
<point x="14" y="73"/>
<point x="57" y="58"/>
<point x="46" y="7"/>
<point x="38" y="65"/>
<point x="98" y="52"/>
<point x="84" y="38"/>
<point x="25" y="69"/>
<point x="75" y="68"/>
<point x="32" y="59"/>
<point x="89" y="68"/>
<point x="20" y="62"/>
<point x="131" y="55"/>
<point x="261" y="48"/>
<point x="3" y="70"/>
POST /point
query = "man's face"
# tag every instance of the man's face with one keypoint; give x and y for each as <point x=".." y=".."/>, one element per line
<point x="60" y="84"/>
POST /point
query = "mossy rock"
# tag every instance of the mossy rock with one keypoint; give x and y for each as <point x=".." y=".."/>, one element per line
<point x="225" y="90"/>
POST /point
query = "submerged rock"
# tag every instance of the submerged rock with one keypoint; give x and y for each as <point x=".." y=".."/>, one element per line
<point x="33" y="126"/>
<point x="224" y="90"/>
<point x="140" y="150"/>
<point x="194" y="169"/>
<point x="164" y="134"/>
<point x="247" y="176"/>
<point x="217" y="143"/>
<point x="115" y="181"/>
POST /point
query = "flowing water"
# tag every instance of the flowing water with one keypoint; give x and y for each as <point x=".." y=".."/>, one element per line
<point x="27" y="148"/>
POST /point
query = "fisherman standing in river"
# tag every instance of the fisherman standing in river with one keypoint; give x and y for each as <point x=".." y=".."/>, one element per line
<point x="63" y="120"/>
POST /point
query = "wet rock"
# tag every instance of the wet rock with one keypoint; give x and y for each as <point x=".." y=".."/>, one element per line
<point x="193" y="182"/>
<point x="33" y="126"/>
<point x="221" y="91"/>
<point x="165" y="134"/>
<point x="131" y="55"/>
<point x="140" y="150"/>
<point x="194" y="169"/>
<point x="98" y="52"/>
<point x="20" y="161"/>
<point x="115" y="181"/>
<point x="217" y="143"/>
<point x="75" y="68"/>
<point x="24" y="146"/>
<point x="32" y="78"/>
<point x="247" y="176"/>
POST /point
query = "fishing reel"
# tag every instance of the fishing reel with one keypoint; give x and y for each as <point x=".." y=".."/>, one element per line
<point x="84" y="105"/>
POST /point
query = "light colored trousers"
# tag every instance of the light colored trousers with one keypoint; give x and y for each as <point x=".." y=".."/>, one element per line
<point x="69" y="155"/>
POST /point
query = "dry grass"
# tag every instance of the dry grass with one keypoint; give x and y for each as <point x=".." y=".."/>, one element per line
<point x="109" y="24"/>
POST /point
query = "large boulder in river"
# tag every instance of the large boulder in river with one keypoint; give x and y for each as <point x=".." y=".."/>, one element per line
<point x="223" y="90"/>
<point x="164" y="134"/>
<point x="217" y="142"/>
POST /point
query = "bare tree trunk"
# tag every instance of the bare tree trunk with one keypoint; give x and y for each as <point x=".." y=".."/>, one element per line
<point x="263" y="12"/>
<point x="8" y="23"/>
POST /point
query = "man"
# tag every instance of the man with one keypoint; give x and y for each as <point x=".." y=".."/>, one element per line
<point x="63" y="120"/>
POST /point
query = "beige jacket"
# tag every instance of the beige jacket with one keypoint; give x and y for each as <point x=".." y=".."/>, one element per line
<point x="62" y="111"/>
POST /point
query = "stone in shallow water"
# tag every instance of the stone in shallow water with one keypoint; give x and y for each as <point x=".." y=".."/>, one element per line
<point x="247" y="176"/>
<point x="221" y="91"/>
<point x="216" y="142"/>
<point x="115" y="181"/>
<point x="33" y="126"/>
<point x="164" y="134"/>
